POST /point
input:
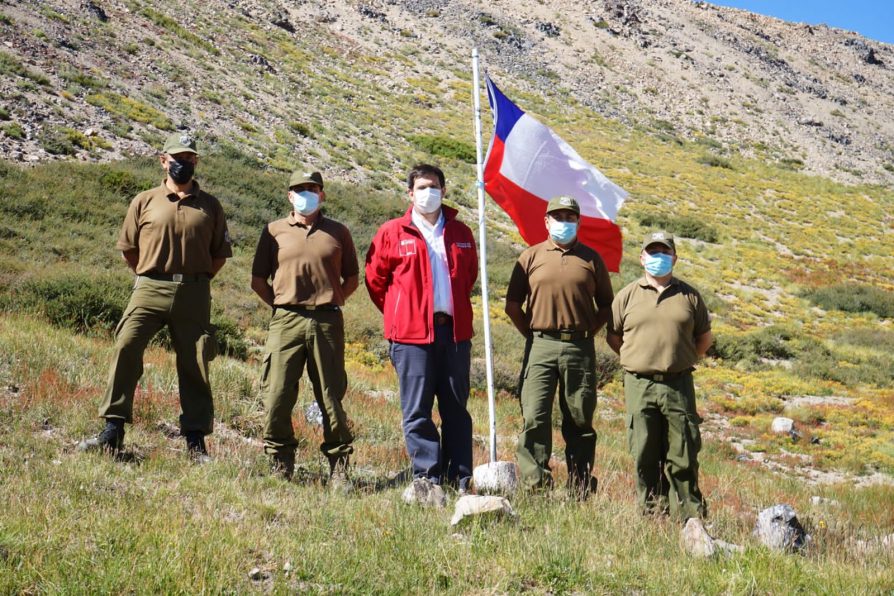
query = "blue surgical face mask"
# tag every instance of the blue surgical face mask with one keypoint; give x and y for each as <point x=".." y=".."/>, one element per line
<point x="562" y="232"/>
<point x="305" y="202"/>
<point x="659" y="264"/>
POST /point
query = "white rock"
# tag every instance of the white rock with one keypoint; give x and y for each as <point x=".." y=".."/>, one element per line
<point x="313" y="414"/>
<point x="256" y="574"/>
<point x="477" y="505"/>
<point x="495" y="477"/>
<point x="782" y="425"/>
<point x="695" y="539"/>
<point x="778" y="528"/>
<point x="422" y="492"/>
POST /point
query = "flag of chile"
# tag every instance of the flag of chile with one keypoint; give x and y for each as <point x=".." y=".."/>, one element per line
<point x="527" y="164"/>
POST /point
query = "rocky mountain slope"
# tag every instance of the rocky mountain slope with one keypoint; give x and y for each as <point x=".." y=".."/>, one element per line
<point x="354" y="86"/>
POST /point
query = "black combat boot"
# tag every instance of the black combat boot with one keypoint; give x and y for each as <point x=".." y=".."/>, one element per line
<point x="195" y="447"/>
<point x="283" y="465"/>
<point x="110" y="440"/>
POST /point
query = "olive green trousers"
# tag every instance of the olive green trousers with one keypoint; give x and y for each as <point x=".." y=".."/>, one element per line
<point x="295" y="339"/>
<point x="568" y="366"/>
<point x="185" y="307"/>
<point x="664" y="438"/>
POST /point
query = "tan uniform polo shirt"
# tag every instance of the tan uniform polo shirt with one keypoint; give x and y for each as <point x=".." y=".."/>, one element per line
<point x="307" y="263"/>
<point x="658" y="329"/>
<point x="561" y="288"/>
<point x="175" y="235"/>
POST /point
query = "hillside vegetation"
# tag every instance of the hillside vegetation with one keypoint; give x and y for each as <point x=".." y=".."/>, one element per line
<point x="795" y="269"/>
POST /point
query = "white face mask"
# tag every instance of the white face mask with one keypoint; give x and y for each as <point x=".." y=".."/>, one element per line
<point x="427" y="200"/>
<point x="305" y="202"/>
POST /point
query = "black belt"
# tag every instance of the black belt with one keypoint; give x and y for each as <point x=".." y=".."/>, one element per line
<point x="308" y="307"/>
<point x="661" y="377"/>
<point x="442" y="318"/>
<point x="177" y="277"/>
<point x="564" y="334"/>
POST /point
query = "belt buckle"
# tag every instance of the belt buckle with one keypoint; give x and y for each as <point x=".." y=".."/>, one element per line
<point x="566" y="335"/>
<point x="178" y="277"/>
<point x="659" y="378"/>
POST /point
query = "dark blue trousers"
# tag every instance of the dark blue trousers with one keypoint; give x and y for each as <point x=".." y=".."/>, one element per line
<point x="424" y="371"/>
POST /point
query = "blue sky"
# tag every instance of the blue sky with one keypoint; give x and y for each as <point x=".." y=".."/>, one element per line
<point x="870" y="18"/>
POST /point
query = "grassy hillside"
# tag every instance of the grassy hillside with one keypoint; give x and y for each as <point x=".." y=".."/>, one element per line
<point x="794" y="269"/>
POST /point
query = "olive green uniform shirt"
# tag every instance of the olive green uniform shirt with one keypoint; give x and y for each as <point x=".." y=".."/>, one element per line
<point x="561" y="288"/>
<point x="173" y="234"/>
<point x="658" y="329"/>
<point x="307" y="263"/>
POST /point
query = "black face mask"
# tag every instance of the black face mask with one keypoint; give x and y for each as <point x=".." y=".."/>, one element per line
<point x="181" y="172"/>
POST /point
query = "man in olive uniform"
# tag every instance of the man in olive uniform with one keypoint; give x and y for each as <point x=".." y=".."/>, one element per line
<point x="175" y="239"/>
<point x="660" y="328"/>
<point x="559" y="297"/>
<point x="312" y="264"/>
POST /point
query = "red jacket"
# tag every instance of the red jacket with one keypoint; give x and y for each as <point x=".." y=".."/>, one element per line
<point x="399" y="280"/>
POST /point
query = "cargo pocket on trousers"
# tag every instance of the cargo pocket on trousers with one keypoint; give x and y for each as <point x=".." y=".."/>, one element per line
<point x="630" y="433"/>
<point x="210" y="348"/>
<point x="695" y="435"/>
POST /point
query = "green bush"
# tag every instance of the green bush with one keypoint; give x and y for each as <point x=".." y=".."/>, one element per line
<point x="818" y="361"/>
<point x="878" y="339"/>
<point x="57" y="142"/>
<point x="230" y="337"/>
<point x="853" y="298"/>
<point x="66" y="141"/>
<point x="80" y="302"/>
<point x="10" y="66"/>
<point x="683" y="225"/>
<point x="130" y="108"/>
<point x="300" y="128"/>
<point x="445" y="147"/>
<point x="13" y="130"/>
<point x="79" y="77"/>
<point x="122" y="183"/>
<point x="715" y="161"/>
<point x="772" y="342"/>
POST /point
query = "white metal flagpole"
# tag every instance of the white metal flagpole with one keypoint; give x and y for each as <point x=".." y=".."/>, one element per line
<point x="482" y="252"/>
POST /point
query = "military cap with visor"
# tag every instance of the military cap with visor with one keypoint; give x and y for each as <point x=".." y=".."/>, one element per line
<point x="180" y="142"/>
<point x="563" y="202"/>
<point x="300" y="177"/>
<point x="660" y="237"/>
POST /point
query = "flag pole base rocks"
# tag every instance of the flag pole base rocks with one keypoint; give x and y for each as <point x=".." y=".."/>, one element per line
<point x="497" y="477"/>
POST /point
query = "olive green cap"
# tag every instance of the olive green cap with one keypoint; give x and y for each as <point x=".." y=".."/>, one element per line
<point x="180" y="142"/>
<point x="563" y="202"/>
<point x="306" y="178"/>
<point x="659" y="237"/>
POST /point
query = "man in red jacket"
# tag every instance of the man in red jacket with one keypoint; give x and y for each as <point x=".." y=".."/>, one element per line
<point x="420" y="270"/>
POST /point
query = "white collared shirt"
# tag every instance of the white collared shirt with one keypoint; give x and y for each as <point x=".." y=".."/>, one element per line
<point x="437" y="258"/>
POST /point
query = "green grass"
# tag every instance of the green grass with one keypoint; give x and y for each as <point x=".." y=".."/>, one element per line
<point x="10" y="66"/>
<point x="130" y="109"/>
<point x="106" y="526"/>
<point x="439" y="146"/>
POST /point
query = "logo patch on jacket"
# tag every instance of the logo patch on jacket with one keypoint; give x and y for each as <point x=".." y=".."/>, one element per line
<point x="407" y="248"/>
<point x="463" y="245"/>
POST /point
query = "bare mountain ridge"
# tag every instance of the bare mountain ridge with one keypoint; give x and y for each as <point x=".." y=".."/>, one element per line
<point x="329" y="80"/>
